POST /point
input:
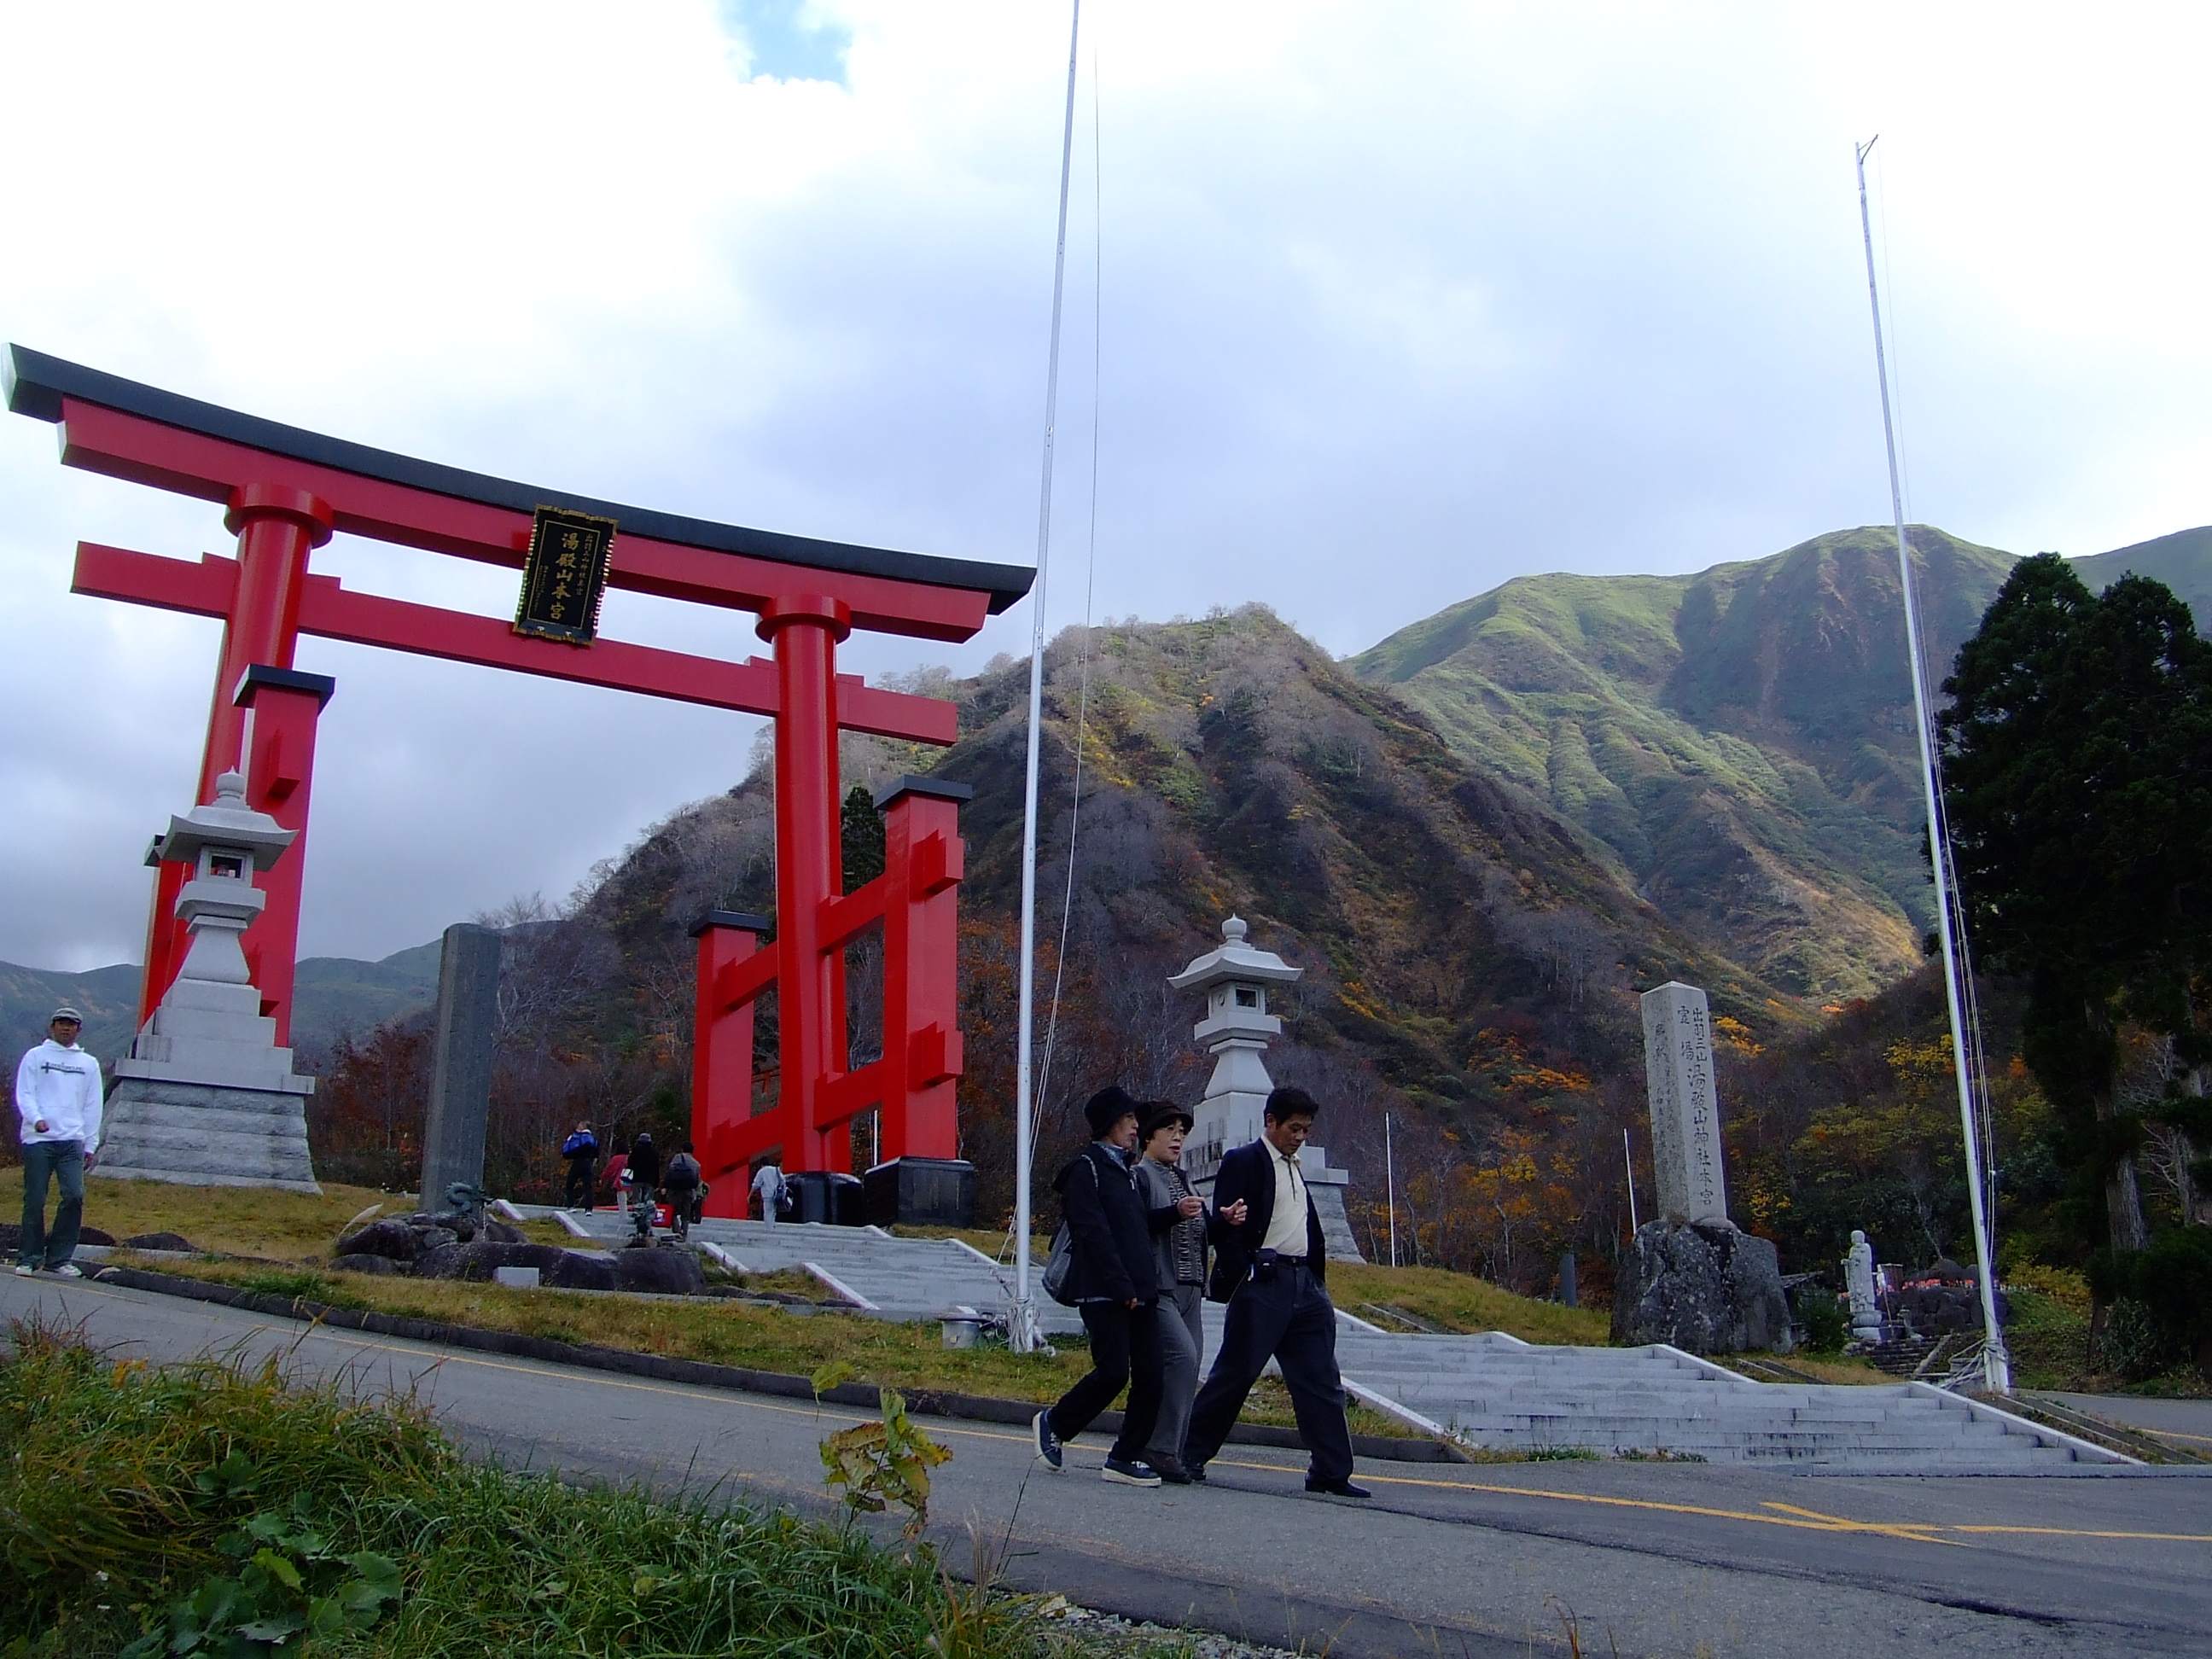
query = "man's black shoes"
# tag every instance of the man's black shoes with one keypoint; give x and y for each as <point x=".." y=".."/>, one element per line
<point x="1170" y="1469"/>
<point x="1338" y="1488"/>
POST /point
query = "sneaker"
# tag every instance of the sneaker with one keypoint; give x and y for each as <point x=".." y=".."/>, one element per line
<point x="25" y="1268"/>
<point x="1336" y="1488"/>
<point x="1129" y="1472"/>
<point x="1047" y="1443"/>
<point x="67" y="1270"/>
<point x="1170" y="1469"/>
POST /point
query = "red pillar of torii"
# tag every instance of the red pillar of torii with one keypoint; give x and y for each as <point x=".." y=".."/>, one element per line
<point x="286" y="491"/>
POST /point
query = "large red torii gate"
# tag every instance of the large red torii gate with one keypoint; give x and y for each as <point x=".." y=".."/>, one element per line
<point x="285" y="491"/>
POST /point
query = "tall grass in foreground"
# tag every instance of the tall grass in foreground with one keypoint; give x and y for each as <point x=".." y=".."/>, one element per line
<point x="118" y="1481"/>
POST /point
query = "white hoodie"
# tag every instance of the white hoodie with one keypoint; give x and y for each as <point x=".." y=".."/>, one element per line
<point x="61" y="1085"/>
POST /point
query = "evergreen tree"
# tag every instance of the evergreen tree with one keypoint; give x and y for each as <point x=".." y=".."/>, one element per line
<point x="2078" y="791"/>
<point x="862" y="839"/>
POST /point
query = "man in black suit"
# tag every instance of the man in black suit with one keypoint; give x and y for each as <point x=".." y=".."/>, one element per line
<point x="1272" y="1270"/>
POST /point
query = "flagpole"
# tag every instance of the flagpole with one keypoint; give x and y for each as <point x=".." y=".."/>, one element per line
<point x="1997" y="1363"/>
<point x="1022" y="1327"/>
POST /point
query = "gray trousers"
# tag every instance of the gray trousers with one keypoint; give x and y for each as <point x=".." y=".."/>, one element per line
<point x="1182" y="1339"/>
<point x="61" y="1161"/>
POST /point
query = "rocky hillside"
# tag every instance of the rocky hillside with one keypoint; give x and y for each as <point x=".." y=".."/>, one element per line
<point x="1736" y="745"/>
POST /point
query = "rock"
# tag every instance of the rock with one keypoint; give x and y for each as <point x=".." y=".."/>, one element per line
<point x="362" y="1263"/>
<point x="94" y="1236"/>
<point x="661" y="1271"/>
<point x="459" y="1223"/>
<point x="392" y="1237"/>
<point x="442" y="1261"/>
<point x="500" y="1233"/>
<point x="578" y="1272"/>
<point x="161" y="1242"/>
<point x="1707" y="1288"/>
<point x="566" y="1270"/>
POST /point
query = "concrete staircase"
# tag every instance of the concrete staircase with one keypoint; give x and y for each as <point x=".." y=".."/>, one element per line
<point x="1491" y="1390"/>
<point x="901" y="1278"/>
<point x="1495" y="1390"/>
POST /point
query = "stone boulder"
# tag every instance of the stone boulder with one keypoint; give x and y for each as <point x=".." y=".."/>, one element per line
<point x="161" y="1242"/>
<point x="1707" y="1288"/>
<point x="94" y="1236"/>
<point x="390" y="1238"/>
<point x="566" y="1270"/>
<point x="359" y="1262"/>
<point x="661" y="1270"/>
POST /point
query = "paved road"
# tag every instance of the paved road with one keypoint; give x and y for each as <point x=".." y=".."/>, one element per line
<point x="2186" y="1421"/>
<point x="1483" y="1561"/>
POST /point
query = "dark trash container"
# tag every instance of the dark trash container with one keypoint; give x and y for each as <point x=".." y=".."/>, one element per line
<point x="818" y="1195"/>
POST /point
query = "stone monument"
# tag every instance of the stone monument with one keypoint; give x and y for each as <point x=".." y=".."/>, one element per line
<point x="1858" y="1279"/>
<point x="206" y="1096"/>
<point x="1691" y="1276"/>
<point x="1235" y="1030"/>
<point x="460" y="1073"/>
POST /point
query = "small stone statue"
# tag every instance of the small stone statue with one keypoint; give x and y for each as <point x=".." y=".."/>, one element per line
<point x="1858" y="1275"/>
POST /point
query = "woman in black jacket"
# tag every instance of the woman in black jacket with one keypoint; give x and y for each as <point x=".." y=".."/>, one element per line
<point x="1110" y="1279"/>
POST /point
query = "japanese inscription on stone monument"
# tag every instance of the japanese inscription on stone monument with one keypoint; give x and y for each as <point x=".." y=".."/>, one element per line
<point x="1685" y="1119"/>
<point x="565" y="575"/>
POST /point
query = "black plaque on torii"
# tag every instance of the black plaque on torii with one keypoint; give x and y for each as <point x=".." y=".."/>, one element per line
<point x="565" y="575"/>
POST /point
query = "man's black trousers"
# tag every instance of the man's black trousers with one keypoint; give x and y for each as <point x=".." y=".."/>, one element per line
<point x="1290" y="1319"/>
<point x="1125" y="1348"/>
<point x="578" y="1194"/>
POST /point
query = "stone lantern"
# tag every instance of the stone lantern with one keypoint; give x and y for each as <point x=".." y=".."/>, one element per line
<point x="1235" y="978"/>
<point x="205" y="1095"/>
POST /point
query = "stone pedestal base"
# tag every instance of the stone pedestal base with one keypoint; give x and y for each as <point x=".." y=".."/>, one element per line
<point x="205" y="1135"/>
<point x="1704" y="1287"/>
<point x="920" y="1191"/>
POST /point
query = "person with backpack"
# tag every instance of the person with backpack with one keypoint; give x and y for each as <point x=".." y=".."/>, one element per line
<point x="1110" y="1278"/>
<point x="644" y="1172"/>
<point x="681" y="1182"/>
<point x="581" y="1149"/>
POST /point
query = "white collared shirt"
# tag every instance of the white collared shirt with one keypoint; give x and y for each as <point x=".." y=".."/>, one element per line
<point x="1286" y="1227"/>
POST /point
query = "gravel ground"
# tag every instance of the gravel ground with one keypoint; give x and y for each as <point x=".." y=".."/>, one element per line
<point x="1088" y="1632"/>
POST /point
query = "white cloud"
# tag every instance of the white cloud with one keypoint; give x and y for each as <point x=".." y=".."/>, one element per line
<point x="1399" y="301"/>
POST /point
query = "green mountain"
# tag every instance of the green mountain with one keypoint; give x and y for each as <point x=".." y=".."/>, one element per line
<point x="1735" y="745"/>
<point x="332" y="995"/>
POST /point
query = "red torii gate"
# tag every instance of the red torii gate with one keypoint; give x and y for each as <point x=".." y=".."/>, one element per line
<point x="285" y="491"/>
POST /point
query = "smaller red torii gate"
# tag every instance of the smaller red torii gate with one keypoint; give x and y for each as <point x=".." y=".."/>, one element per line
<point x="286" y="491"/>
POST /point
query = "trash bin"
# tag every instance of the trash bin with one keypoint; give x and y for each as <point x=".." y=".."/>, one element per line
<point x="818" y="1195"/>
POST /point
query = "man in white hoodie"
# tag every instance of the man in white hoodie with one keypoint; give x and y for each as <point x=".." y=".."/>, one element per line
<point x="57" y="1095"/>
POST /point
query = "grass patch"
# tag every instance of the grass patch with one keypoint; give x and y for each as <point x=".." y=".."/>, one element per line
<point x="257" y="1221"/>
<point x="1461" y="1302"/>
<point x="118" y="1484"/>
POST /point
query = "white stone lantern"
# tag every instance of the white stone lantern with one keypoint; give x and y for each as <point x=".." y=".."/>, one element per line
<point x="1236" y="1031"/>
<point x="206" y="1096"/>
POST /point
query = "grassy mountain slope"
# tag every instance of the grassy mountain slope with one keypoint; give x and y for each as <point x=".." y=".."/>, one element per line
<point x="1230" y="765"/>
<point x="2182" y="560"/>
<point x="1738" y="741"/>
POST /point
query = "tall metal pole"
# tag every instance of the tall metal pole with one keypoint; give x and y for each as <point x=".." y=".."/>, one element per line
<point x="1390" y="1187"/>
<point x="1022" y="1327"/>
<point x="1628" y="1163"/>
<point x="1997" y="1363"/>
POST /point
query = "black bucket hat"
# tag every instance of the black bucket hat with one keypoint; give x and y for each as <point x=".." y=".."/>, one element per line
<point x="1108" y="1107"/>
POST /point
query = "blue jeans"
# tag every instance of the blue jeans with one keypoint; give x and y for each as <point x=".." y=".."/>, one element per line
<point x="64" y="1160"/>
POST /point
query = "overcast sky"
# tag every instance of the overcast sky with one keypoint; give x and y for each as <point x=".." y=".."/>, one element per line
<point x="1398" y="302"/>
